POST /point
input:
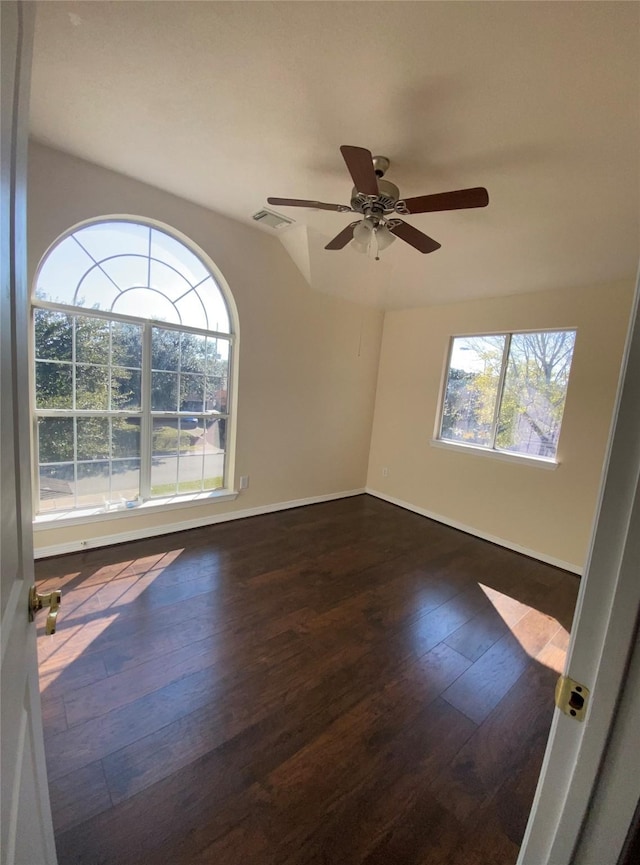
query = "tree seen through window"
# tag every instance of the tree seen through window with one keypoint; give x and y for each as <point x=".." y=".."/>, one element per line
<point x="507" y="391"/>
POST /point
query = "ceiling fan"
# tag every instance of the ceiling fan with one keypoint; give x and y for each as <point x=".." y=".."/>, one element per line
<point x="376" y="199"/>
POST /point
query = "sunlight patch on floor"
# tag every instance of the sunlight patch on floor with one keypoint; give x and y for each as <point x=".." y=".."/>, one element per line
<point x="70" y="649"/>
<point x="97" y="601"/>
<point x="512" y="612"/>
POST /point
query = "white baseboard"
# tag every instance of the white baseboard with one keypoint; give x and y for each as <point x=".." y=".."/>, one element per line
<point x="179" y="526"/>
<point x="211" y="519"/>
<point x="501" y="542"/>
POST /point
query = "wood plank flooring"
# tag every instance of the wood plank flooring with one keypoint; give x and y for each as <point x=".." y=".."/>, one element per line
<point x="337" y="684"/>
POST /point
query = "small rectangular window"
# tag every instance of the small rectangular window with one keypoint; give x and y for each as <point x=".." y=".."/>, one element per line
<point x="506" y="392"/>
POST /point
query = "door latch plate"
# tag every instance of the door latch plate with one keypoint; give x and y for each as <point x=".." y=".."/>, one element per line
<point x="572" y="697"/>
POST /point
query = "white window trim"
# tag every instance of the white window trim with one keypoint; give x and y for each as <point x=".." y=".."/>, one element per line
<point x="507" y="456"/>
<point x="522" y="459"/>
<point x="57" y="519"/>
<point x="51" y="519"/>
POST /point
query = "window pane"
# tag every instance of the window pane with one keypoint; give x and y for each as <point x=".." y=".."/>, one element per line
<point x="191" y="309"/>
<point x="214" y="452"/>
<point x="212" y="481"/>
<point x="61" y="272"/>
<point x="190" y="465"/>
<point x="216" y="395"/>
<point x="169" y="282"/>
<point x="125" y="388"/>
<point x="146" y="303"/>
<point x="53" y="335"/>
<point x="95" y="291"/>
<point x="92" y="387"/>
<point x="125" y="437"/>
<point x="217" y="374"/>
<point x="177" y="255"/>
<point x="178" y="449"/>
<point x="92" y="340"/>
<point x="174" y="435"/>
<point x="534" y="392"/>
<point x="201" y="463"/>
<point x="92" y="487"/>
<point x="114" y="238"/>
<point x="165" y="349"/>
<point x="472" y="388"/>
<point x="164" y="391"/>
<point x="191" y="392"/>
<point x="217" y="313"/>
<point x="193" y="353"/>
<point x="56" y="487"/>
<point x="127" y="271"/>
<point x="126" y="344"/>
<point x="55" y="439"/>
<point x="217" y="357"/>
<point x="216" y="437"/>
<point x="54" y="385"/>
<point x="164" y="463"/>
<point x="125" y="480"/>
<point x="93" y="438"/>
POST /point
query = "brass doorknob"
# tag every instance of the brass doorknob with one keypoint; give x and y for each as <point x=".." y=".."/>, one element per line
<point x="38" y="601"/>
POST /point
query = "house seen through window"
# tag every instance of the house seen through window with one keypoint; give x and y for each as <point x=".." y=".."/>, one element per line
<point x="132" y="350"/>
<point x="506" y="392"/>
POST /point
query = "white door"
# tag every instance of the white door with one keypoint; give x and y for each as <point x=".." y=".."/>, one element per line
<point x="25" y="818"/>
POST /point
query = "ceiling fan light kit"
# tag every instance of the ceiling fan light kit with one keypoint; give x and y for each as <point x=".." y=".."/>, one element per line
<point x="377" y="199"/>
<point x="363" y="231"/>
<point x="372" y="237"/>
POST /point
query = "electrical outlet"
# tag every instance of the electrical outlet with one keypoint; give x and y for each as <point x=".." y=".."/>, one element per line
<point x="244" y="482"/>
<point x="385" y="472"/>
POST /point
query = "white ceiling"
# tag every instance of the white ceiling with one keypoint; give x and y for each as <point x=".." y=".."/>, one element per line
<point x="226" y="103"/>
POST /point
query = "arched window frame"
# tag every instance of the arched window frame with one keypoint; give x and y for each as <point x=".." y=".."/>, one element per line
<point x="147" y="414"/>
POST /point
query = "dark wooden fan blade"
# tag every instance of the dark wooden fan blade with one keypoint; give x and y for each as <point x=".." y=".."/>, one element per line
<point x="299" y="202"/>
<point x="458" y="200"/>
<point x="421" y="242"/>
<point x="341" y="240"/>
<point x="360" y="164"/>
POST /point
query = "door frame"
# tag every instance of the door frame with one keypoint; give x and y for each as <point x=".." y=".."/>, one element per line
<point x="563" y="826"/>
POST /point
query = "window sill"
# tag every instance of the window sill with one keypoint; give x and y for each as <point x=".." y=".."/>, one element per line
<point x="521" y="459"/>
<point x="57" y="519"/>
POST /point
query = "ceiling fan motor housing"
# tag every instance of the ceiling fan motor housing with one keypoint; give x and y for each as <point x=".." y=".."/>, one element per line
<point x="384" y="202"/>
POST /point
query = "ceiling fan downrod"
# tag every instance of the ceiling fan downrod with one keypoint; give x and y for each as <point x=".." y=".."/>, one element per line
<point x="380" y="166"/>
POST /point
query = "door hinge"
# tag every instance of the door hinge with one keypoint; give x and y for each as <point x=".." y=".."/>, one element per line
<point x="572" y="697"/>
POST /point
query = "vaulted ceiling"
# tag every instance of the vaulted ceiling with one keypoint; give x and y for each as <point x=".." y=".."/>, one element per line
<point x="226" y="103"/>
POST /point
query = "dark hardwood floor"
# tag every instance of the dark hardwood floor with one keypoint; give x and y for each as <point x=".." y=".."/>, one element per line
<point x="341" y="683"/>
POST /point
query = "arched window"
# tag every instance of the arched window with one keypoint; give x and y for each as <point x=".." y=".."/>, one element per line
<point x="132" y="355"/>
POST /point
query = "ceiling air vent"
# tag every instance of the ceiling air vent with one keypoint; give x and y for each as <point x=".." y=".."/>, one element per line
<point x="272" y="219"/>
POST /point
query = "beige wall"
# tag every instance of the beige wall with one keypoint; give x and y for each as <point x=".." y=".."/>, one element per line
<point x="546" y="512"/>
<point x="306" y="398"/>
<point x="306" y="395"/>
